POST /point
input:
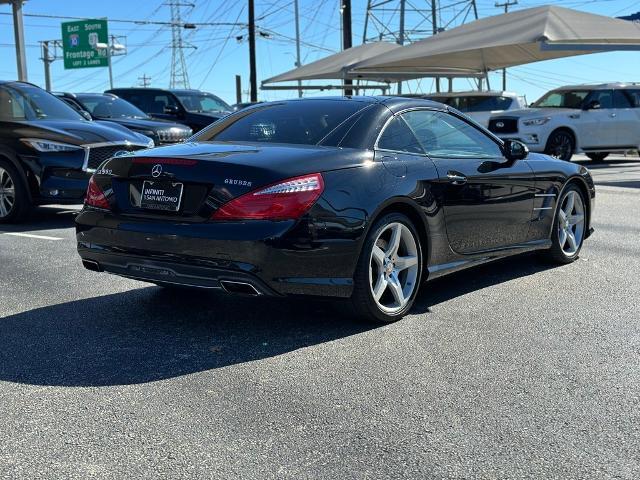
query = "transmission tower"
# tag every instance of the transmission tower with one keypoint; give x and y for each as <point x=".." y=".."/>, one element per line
<point x="179" y="75"/>
<point x="406" y="21"/>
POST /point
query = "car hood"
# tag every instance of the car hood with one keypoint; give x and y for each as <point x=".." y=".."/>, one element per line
<point x="536" y="112"/>
<point x="78" y="132"/>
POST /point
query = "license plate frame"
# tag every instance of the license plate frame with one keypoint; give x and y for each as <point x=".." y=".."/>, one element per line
<point x="167" y="196"/>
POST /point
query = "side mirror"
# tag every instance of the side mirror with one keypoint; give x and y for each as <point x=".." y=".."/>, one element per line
<point x="85" y="114"/>
<point x="171" y="109"/>
<point x="593" y="105"/>
<point x="515" y="150"/>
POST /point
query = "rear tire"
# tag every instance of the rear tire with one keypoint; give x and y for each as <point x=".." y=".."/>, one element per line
<point x="569" y="227"/>
<point x="561" y="145"/>
<point x="597" y="156"/>
<point x="389" y="270"/>
<point x="14" y="197"/>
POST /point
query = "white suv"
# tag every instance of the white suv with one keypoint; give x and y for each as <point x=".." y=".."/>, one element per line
<point x="594" y="119"/>
<point x="480" y="105"/>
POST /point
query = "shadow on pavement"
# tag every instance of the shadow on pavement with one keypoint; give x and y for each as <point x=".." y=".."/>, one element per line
<point x="152" y="334"/>
<point x="45" y="218"/>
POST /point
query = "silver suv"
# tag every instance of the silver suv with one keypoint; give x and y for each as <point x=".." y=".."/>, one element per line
<point x="480" y="105"/>
<point x="594" y="119"/>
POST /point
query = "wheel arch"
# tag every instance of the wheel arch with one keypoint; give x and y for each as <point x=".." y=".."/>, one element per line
<point x="568" y="129"/>
<point x="412" y="210"/>
<point x="584" y="188"/>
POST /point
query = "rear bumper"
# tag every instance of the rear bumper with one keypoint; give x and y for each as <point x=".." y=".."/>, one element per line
<point x="275" y="258"/>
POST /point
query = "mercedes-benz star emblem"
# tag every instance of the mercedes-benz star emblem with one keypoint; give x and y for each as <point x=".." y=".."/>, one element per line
<point x="156" y="171"/>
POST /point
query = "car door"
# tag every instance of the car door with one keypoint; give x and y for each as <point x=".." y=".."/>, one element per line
<point x="487" y="200"/>
<point x="627" y="117"/>
<point x="595" y="126"/>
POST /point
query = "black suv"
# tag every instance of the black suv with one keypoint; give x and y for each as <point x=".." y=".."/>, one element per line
<point x="107" y="106"/>
<point x="193" y="108"/>
<point x="48" y="150"/>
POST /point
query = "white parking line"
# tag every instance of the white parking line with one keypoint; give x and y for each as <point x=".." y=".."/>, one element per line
<point x="31" y="235"/>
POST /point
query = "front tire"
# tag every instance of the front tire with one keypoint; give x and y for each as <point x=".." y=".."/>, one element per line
<point x="14" y="199"/>
<point x="569" y="227"/>
<point x="561" y="145"/>
<point x="389" y="270"/>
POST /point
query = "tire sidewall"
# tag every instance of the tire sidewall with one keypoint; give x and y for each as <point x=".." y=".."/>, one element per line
<point x="571" y="137"/>
<point x="362" y="297"/>
<point x="557" y="248"/>
<point x="21" y="201"/>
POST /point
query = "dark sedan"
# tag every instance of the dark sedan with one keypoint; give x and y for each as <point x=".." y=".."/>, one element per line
<point x="108" y="107"/>
<point x="354" y="198"/>
<point x="48" y="150"/>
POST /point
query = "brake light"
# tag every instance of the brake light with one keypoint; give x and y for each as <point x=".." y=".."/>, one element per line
<point x="285" y="200"/>
<point x="95" y="196"/>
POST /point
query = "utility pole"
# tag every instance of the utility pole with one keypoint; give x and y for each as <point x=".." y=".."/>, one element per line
<point x="238" y="89"/>
<point x="179" y="73"/>
<point x="345" y="9"/>
<point x="18" y="32"/>
<point x="298" y="64"/>
<point x="403" y="5"/>
<point x="144" y="80"/>
<point x="506" y="6"/>
<point x="46" y="59"/>
<point x="253" y="81"/>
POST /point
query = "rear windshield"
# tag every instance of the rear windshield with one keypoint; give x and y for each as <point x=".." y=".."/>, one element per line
<point x="303" y="122"/>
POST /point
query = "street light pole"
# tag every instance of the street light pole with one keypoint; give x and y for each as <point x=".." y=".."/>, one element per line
<point x="506" y="6"/>
<point x="295" y="9"/>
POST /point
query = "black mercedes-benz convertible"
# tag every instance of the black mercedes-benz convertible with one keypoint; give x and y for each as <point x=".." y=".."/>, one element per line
<point x="361" y="198"/>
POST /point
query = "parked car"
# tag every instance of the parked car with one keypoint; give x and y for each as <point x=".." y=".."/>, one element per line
<point x="480" y="105"/>
<point x="48" y="151"/>
<point x="193" y="108"/>
<point x="356" y="198"/>
<point x="594" y="119"/>
<point x="109" y="107"/>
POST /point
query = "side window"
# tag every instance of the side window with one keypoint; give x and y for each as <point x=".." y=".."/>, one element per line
<point x="634" y="95"/>
<point x="621" y="99"/>
<point x="397" y="136"/>
<point x="444" y="135"/>
<point x="159" y="101"/>
<point x="604" y="97"/>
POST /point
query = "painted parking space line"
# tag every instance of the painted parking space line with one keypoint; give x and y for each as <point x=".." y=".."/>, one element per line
<point x="31" y="235"/>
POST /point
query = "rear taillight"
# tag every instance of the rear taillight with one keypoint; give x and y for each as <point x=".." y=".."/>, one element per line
<point x="285" y="200"/>
<point x="95" y="196"/>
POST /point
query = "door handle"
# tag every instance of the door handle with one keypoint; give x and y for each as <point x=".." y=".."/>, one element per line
<point x="456" y="178"/>
<point x="612" y="115"/>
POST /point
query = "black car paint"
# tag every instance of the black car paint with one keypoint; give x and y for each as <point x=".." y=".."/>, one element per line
<point x="61" y="172"/>
<point x="496" y="214"/>
<point x="195" y="121"/>
<point x="149" y="127"/>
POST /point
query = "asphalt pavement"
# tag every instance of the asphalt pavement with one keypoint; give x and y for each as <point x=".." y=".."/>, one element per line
<point x="511" y="370"/>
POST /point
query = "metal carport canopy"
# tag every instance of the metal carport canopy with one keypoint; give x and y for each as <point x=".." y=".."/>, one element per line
<point x="338" y="65"/>
<point x="507" y="40"/>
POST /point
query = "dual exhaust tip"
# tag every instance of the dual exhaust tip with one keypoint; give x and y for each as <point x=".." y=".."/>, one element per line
<point x="229" y="286"/>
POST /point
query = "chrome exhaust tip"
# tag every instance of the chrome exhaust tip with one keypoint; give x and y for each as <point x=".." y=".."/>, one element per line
<point x="241" y="288"/>
<point x="92" y="265"/>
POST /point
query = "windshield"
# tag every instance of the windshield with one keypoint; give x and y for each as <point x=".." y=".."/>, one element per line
<point x="562" y="99"/>
<point x="104" y="106"/>
<point x="26" y="102"/>
<point x="294" y="122"/>
<point x="202" y="102"/>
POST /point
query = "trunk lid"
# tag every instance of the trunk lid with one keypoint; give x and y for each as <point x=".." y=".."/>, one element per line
<point x="206" y="175"/>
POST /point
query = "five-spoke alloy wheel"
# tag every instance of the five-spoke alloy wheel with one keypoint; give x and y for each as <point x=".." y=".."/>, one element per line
<point x="569" y="226"/>
<point x="7" y="193"/>
<point x="389" y="270"/>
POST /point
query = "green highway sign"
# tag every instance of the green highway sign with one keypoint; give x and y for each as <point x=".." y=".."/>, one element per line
<point x="79" y="40"/>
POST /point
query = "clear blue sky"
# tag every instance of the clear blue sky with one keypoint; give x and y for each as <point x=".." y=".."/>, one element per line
<point x="220" y="56"/>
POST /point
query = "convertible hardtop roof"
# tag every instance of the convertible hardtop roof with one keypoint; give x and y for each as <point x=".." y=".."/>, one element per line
<point x="392" y="102"/>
